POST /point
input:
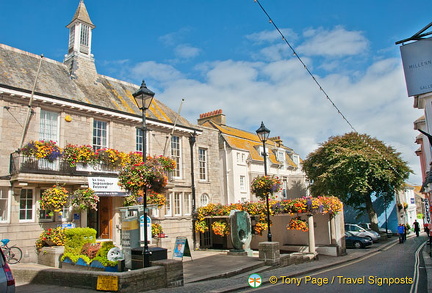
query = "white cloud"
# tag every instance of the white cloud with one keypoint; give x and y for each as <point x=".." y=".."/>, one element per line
<point x="333" y="43"/>
<point x="186" y="51"/>
<point x="283" y="95"/>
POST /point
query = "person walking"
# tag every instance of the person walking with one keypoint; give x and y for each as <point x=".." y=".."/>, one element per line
<point x="416" y="228"/>
<point x="401" y="231"/>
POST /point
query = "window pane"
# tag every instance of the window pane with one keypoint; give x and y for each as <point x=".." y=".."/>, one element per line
<point x="99" y="135"/>
<point x="202" y="158"/>
<point x="48" y="126"/>
<point x="4" y="204"/>
<point x="26" y="204"/>
<point x="187" y="203"/>
<point x="139" y="140"/>
<point x="176" y="155"/>
<point x="177" y="203"/>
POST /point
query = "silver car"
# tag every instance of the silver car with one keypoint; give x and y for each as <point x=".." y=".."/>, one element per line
<point x="359" y="231"/>
<point x="7" y="281"/>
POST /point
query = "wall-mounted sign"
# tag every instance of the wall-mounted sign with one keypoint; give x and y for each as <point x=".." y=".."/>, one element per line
<point x="106" y="186"/>
<point x="417" y="65"/>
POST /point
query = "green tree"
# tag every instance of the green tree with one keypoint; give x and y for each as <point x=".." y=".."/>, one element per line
<point x="353" y="167"/>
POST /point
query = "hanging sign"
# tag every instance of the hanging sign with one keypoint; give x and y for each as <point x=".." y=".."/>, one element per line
<point x="181" y="247"/>
<point x="417" y="65"/>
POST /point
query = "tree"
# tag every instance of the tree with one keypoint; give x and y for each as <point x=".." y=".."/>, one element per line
<point x="353" y="167"/>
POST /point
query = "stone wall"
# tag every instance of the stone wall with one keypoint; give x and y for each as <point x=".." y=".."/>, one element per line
<point x="162" y="274"/>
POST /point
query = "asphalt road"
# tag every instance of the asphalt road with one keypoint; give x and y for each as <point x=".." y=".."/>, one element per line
<point x="398" y="268"/>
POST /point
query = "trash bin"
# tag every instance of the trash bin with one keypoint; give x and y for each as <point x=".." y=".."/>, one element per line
<point x="156" y="253"/>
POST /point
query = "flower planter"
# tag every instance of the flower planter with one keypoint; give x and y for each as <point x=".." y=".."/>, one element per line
<point x="81" y="265"/>
<point x="50" y="256"/>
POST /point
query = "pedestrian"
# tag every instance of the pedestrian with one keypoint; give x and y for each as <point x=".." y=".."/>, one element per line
<point x="405" y="231"/>
<point x="401" y="231"/>
<point x="416" y="228"/>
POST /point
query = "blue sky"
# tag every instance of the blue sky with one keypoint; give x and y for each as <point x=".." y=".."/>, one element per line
<point x="224" y="54"/>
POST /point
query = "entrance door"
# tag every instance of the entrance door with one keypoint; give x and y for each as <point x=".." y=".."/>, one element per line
<point x="105" y="218"/>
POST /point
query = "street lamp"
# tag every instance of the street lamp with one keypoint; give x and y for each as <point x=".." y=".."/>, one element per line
<point x="143" y="98"/>
<point x="263" y="134"/>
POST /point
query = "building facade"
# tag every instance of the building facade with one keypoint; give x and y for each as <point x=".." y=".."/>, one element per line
<point x="241" y="160"/>
<point x="70" y="103"/>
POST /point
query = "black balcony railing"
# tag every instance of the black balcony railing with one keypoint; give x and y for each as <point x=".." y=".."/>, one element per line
<point x="24" y="164"/>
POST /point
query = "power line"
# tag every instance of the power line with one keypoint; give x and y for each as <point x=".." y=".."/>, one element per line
<point x="322" y="89"/>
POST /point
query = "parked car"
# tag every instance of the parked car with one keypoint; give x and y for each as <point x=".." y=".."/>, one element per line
<point x="352" y="241"/>
<point x="7" y="281"/>
<point x="382" y="230"/>
<point x="359" y="231"/>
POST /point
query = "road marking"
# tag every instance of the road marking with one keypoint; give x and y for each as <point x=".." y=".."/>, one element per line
<point x="414" y="285"/>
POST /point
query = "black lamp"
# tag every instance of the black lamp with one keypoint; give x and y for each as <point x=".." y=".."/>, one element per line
<point x="263" y="134"/>
<point x="144" y="98"/>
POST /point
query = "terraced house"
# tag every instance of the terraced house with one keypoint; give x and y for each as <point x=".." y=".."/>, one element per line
<point x="70" y="103"/>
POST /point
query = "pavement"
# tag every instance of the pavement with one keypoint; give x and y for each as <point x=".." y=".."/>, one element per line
<point x="215" y="271"/>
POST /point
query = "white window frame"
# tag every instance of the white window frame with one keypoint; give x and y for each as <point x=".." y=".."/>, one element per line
<point x="177" y="203"/>
<point x="49" y="125"/>
<point x="203" y="165"/>
<point x="168" y="205"/>
<point x="139" y="140"/>
<point x="204" y="199"/>
<point x="32" y="208"/>
<point x="242" y="183"/>
<point x="5" y="199"/>
<point x="100" y="134"/>
<point x="176" y="155"/>
<point x="187" y="203"/>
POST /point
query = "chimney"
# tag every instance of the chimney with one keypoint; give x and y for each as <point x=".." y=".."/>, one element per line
<point x="277" y="140"/>
<point x="216" y="116"/>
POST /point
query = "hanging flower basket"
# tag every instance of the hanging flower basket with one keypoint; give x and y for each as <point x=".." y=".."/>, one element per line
<point x="83" y="199"/>
<point x="263" y="186"/>
<point x="151" y="174"/>
<point x="54" y="199"/>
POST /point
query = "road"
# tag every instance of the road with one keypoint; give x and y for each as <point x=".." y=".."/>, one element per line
<point x="398" y="267"/>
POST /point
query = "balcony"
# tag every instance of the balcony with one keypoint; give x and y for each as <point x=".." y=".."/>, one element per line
<point x="23" y="164"/>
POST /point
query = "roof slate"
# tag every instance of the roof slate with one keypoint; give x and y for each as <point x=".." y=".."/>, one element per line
<point x="18" y="70"/>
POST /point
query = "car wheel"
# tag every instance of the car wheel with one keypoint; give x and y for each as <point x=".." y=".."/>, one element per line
<point x="357" y="244"/>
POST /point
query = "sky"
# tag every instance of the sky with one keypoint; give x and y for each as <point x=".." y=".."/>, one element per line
<point x="226" y="54"/>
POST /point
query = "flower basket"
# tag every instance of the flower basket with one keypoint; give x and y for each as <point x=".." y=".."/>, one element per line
<point x="74" y="154"/>
<point x="51" y="237"/>
<point x="220" y="228"/>
<point x="83" y="199"/>
<point x="263" y="186"/>
<point x="41" y="149"/>
<point x="151" y="174"/>
<point x="54" y="199"/>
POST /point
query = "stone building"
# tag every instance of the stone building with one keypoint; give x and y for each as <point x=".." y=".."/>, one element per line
<point x="69" y="102"/>
<point x="241" y="160"/>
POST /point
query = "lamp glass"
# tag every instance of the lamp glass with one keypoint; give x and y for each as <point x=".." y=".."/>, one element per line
<point x="263" y="132"/>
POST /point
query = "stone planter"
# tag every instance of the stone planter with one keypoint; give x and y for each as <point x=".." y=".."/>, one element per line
<point x="50" y="256"/>
<point x="81" y="265"/>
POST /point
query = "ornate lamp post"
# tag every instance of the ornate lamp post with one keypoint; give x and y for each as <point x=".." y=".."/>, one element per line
<point x="144" y="98"/>
<point x="263" y="134"/>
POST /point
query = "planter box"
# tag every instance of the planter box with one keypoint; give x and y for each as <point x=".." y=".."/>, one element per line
<point x="50" y="256"/>
<point x="81" y="265"/>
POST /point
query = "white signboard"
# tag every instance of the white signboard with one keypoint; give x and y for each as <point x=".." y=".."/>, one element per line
<point x="106" y="186"/>
<point x="417" y="64"/>
<point x="149" y="231"/>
